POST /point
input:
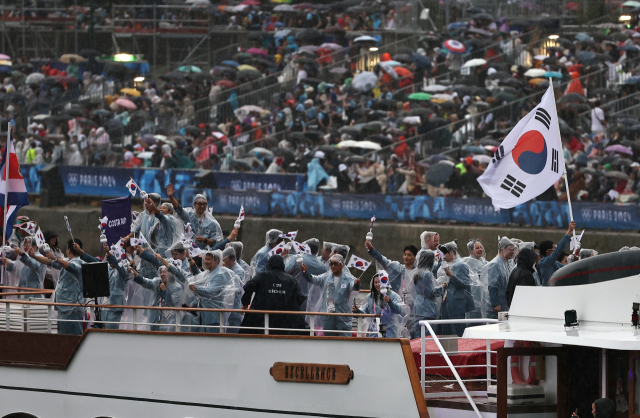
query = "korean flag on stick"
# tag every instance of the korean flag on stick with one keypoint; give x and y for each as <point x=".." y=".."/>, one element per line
<point x="529" y="160"/>
<point x="132" y="186"/>
<point x="359" y="263"/>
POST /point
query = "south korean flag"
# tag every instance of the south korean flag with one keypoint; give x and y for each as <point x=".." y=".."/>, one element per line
<point x="529" y="160"/>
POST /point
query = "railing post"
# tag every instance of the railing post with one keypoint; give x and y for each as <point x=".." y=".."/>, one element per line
<point x="134" y="311"/>
<point x="422" y="358"/>
<point x="92" y="317"/>
<point x="312" y="321"/>
<point x="49" y="319"/>
<point x="266" y="323"/>
<point x="488" y="363"/>
<point x="177" y="321"/>
<point x="7" y="312"/>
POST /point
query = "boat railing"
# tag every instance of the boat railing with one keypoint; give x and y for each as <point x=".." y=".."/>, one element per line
<point x="427" y="326"/>
<point x="32" y="315"/>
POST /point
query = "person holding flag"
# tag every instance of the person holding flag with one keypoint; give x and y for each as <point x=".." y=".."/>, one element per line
<point x="314" y="265"/>
<point x="422" y="292"/>
<point x="30" y="273"/>
<point x="398" y="273"/>
<point x="459" y="300"/>
<point x="260" y="259"/>
<point x="205" y="227"/>
<point x="385" y="302"/>
<point x="336" y="286"/>
<point x="13" y="191"/>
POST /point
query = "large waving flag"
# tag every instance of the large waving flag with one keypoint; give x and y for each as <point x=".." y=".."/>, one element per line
<point x="529" y="160"/>
<point x="14" y="187"/>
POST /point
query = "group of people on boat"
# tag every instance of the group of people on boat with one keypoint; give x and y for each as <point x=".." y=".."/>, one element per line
<point x="177" y="257"/>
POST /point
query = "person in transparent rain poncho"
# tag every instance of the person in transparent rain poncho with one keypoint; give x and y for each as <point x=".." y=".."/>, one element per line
<point x="167" y="292"/>
<point x="238" y="248"/>
<point x="399" y="273"/>
<point x="495" y="277"/>
<point x="314" y="265"/>
<point x="325" y="253"/>
<point x="206" y="228"/>
<point x="25" y="271"/>
<point x="144" y="224"/>
<point x="476" y="261"/>
<point x="342" y="250"/>
<point x="215" y="288"/>
<point x="118" y="277"/>
<point x="259" y="261"/>
<point x="532" y="246"/>
<point x="423" y="292"/>
<point x="382" y="300"/>
<point x="458" y="300"/>
<point x="229" y="261"/>
<point x="337" y="286"/>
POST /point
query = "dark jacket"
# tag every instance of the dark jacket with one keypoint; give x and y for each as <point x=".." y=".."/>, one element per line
<point x="522" y="275"/>
<point x="274" y="291"/>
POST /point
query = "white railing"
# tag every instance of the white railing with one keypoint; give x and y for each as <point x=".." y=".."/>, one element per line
<point x="38" y="315"/>
<point x="426" y="325"/>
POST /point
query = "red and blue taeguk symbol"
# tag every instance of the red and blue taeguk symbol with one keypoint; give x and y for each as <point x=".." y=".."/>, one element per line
<point x="359" y="264"/>
<point x="530" y="153"/>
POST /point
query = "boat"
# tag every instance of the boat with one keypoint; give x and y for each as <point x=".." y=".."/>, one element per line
<point x="555" y="352"/>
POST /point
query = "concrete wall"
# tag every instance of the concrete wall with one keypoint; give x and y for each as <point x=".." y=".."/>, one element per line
<point x="389" y="238"/>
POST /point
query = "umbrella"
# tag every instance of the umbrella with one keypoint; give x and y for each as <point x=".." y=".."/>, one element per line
<point x="365" y="81"/>
<point x="280" y="34"/>
<point x="66" y="58"/>
<point x="131" y="92"/>
<point x="5" y="57"/>
<point x="173" y="75"/>
<point x="359" y="144"/>
<point x="284" y="8"/>
<point x="244" y="67"/>
<point x="630" y="48"/>
<point x="472" y="149"/>
<point x="355" y="159"/>
<point x="126" y="103"/>
<point x="435" y="88"/>
<point x="420" y="96"/>
<point x="439" y="173"/>
<point x="623" y="162"/>
<point x="573" y="97"/>
<point x="534" y="72"/>
<point x="257" y="51"/>
<point x="583" y="37"/>
<point x="631" y="3"/>
<point x="455" y="47"/>
<point x="310" y="36"/>
<point x="34" y="78"/>
<point x="596" y="92"/>
<point x="101" y="113"/>
<point x="619" y="148"/>
<point x="474" y="62"/>
<point x="251" y="74"/>
<point x="190" y="69"/>
<point x="616" y="175"/>
<point x="482" y="159"/>
<point x="420" y="60"/>
<point x="489" y="141"/>
<point x="230" y="63"/>
<point x="380" y="139"/>
<point x="338" y="70"/>
<point x="225" y="83"/>
<point x="331" y="46"/>
<point x="553" y="74"/>
<point x="365" y="38"/>
<point x="385" y="104"/>
<point x="86" y="121"/>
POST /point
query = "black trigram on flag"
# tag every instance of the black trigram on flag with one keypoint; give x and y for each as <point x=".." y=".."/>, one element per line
<point x="497" y="156"/>
<point x="513" y="186"/>
<point x="543" y="117"/>
<point x="554" y="160"/>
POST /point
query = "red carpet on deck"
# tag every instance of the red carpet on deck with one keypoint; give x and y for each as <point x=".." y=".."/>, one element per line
<point x="466" y="359"/>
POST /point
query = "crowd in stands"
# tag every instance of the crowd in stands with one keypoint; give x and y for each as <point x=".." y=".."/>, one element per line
<point x="417" y="120"/>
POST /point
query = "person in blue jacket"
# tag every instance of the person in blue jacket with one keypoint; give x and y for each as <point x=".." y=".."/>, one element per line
<point x="206" y="228"/>
<point x="68" y="289"/>
<point x="388" y="306"/>
<point x="495" y="275"/>
<point x="459" y="300"/>
<point x="423" y="291"/>
<point x="259" y="261"/>
<point x="397" y="272"/>
<point x="336" y="286"/>
<point x="31" y="272"/>
<point x="549" y="252"/>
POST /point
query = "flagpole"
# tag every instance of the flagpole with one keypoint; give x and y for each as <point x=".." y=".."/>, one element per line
<point x="6" y="183"/>
<point x="564" y="167"/>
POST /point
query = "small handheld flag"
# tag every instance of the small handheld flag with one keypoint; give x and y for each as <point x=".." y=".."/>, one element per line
<point x="575" y="241"/>
<point x="373" y="220"/>
<point x="103" y="223"/>
<point x="241" y="215"/>
<point x="290" y="235"/>
<point x="66" y="221"/>
<point x="28" y="227"/>
<point x="188" y="231"/>
<point x="358" y="263"/>
<point x="40" y="241"/>
<point x="301" y="248"/>
<point x="277" y="250"/>
<point x="177" y="263"/>
<point x="194" y="250"/>
<point x="132" y="186"/>
<point x="384" y="282"/>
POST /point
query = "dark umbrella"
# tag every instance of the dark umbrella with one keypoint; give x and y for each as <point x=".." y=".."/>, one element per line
<point x="85" y="121"/>
<point x="89" y="53"/>
<point x="100" y="112"/>
<point x="310" y="36"/>
<point x="489" y="141"/>
<point x="573" y="97"/>
<point x="113" y="124"/>
<point x="385" y="104"/>
<point x="439" y="173"/>
<point x="250" y="74"/>
<point x="380" y="139"/>
<point x="602" y="92"/>
<point x="173" y="76"/>
<point x="419" y="111"/>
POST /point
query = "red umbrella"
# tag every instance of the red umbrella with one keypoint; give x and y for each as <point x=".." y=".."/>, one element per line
<point x="251" y="3"/>
<point x="454" y="46"/>
<point x="257" y="51"/>
<point x="225" y="83"/>
<point x="126" y="103"/>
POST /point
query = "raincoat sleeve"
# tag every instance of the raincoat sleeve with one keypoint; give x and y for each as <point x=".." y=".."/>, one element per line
<point x="214" y="289"/>
<point x="392" y="267"/>
<point x="547" y="264"/>
<point x="313" y="279"/>
<point x="114" y="263"/>
<point x="10" y="267"/>
<point x="164" y="221"/>
<point x="221" y="244"/>
<point x="177" y="273"/>
<point x="30" y="263"/>
<point x="147" y="256"/>
<point x="461" y="278"/>
<point x="194" y="269"/>
<point x="182" y="214"/>
<point x="88" y="258"/>
<point x="144" y="282"/>
<point x="394" y="303"/>
<point x="496" y="292"/>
